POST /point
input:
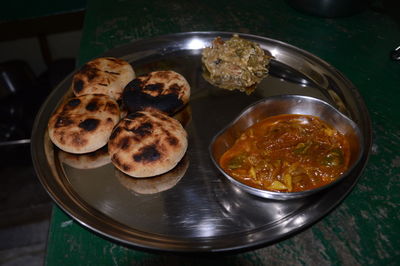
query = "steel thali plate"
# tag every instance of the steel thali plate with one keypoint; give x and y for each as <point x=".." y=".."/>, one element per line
<point x="198" y="210"/>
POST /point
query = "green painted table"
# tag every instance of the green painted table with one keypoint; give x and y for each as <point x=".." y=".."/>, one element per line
<point x="364" y="228"/>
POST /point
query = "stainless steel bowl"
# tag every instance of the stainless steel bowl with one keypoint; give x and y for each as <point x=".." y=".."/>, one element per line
<point x="286" y="104"/>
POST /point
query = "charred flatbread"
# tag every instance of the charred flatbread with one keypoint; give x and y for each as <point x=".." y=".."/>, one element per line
<point x="104" y="75"/>
<point x="83" y="124"/>
<point x="167" y="91"/>
<point x="147" y="143"/>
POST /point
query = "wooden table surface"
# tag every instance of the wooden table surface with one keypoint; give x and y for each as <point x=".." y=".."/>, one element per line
<point x="364" y="229"/>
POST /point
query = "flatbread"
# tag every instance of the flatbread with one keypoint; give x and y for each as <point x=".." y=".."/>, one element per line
<point x="104" y="75"/>
<point x="156" y="184"/>
<point x="89" y="160"/>
<point x="167" y="91"/>
<point x="83" y="124"/>
<point x="147" y="143"/>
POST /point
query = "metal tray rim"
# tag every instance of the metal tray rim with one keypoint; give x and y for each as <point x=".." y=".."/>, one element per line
<point x="88" y="222"/>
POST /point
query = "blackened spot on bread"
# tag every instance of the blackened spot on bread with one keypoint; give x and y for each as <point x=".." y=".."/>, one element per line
<point x="148" y="153"/>
<point x="124" y="143"/>
<point x="62" y="137"/>
<point x="63" y="121"/>
<point x="159" y="116"/>
<point x="136" y="100"/>
<point x="134" y="84"/>
<point x="172" y="141"/>
<point x="74" y="102"/>
<point x="126" y="167"/>
<point x="112" y="107"/>
<point x="175" y="88"/>
<point x="111" y="72"/>
<point x="116" y="131"/>
<point x="78" y="85"/>
<point x="115" y="158"/>
<point x="143" y="130"/>
<point x="162" y="74"/>
<point x="89" y="124"/>
<point x="92" y="105"/>
<point x="127" y="123"/>
<point x="115" y="60"/>
<point x="89" y="71"/>
<point x="154" y="87"/>
<point x="134" y="115"/>
<point x="78" y="141"/>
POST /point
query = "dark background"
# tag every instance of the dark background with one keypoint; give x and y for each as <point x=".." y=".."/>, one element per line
<point x="39" y="44"/>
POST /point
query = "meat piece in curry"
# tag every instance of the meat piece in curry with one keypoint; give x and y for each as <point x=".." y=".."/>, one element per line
<point x="288" y="153"/>
<point x="235" y="64"/>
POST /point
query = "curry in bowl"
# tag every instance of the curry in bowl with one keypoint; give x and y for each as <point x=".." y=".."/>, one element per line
<point x="288" y="153"/>
<point x="287" y="146"/>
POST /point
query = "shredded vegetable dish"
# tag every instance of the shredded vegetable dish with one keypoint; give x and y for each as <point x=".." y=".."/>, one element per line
<point x="288" y="153"/>
<point x="235" y="64"/>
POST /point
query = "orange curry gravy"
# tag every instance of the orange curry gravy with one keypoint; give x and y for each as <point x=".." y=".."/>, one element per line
<point x="288" y="153"/>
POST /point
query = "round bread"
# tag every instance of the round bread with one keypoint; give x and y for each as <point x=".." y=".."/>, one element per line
<point x="147" y="143"/>
<point x="154" y="184"/>
<point x="83" y="124"/>
<point x="166" y="91"/>
<point x="89" y="160"/>
<point x="105" y="75"/>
